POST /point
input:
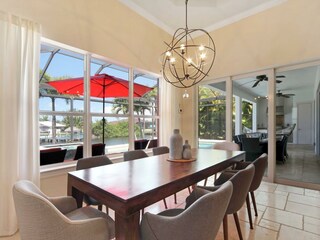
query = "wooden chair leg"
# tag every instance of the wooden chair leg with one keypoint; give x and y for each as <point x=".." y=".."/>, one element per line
<point x="249" y="210"/>
<point x="254" y="203"/>
<point x="225" y="227"/>
<point x="165" y="203"/>
<point x="205" y="182"/>
<point x="100" y="207"/>
<point x="236" y="219"/>
<point x="189" y="189"/>
<point x="175" y="198"/>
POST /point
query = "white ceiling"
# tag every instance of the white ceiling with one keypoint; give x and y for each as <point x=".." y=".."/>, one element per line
<point x="205" y="14"/>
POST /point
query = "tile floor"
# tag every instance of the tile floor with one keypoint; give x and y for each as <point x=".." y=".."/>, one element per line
<point x="284" y="213"/>
<point x="302" y="165"/>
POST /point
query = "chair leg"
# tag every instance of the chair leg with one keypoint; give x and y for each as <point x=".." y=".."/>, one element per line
<point x="205" y="182"/>
<point x="249" y="210"/>
<point x="236" y="219"/>
<point x="225" y="227"/>
<point x="100" y="207"/>
<point x="175" y="198"/>
<point x="165" y="203"/>
<point x="254" y="203"/>
<point x="189" y="189"/>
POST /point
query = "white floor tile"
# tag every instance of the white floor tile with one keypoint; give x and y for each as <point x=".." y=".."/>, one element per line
<point x="289" y="233"/>
<point x="312" y="201"/>
<point x="290" y="189"/>
<point x="303" y="209"/>
<point x="283" y="217"/>
<point x="271" y="200"/>
<point x="312" y="225"/>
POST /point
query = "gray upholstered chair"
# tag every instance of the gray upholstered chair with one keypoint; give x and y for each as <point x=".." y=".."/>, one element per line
<point x="134" y="154"/>
<point x="160" y="150"/>
<point x="229" y="146"/>
<point x="260" y="165"/>
<point x="199" y="221"/>
<point x="41" y="217"/>
<point x="89" y="162"/>
<point x="241" y="181"/>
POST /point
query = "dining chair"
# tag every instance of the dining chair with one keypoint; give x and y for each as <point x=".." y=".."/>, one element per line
<point x="160" y="150"/>
<point x="136" y="154"/>
<point x="96" y="150"/>
<point x="41" y="217"/>
<point x="229" y="146"/>
<point x="90" y="162"/>
<point x="260" y="165"/>
<point x="52" y="155"/>
<point x="241" y="181"/>
<point x="199" y="221"/>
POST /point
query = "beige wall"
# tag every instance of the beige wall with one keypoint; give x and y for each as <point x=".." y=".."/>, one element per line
<point x="288" y="33"/>
<point x="104" y="27"/>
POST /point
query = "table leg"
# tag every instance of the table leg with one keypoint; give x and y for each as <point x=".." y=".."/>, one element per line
<point x="76" y="194"/>
<point x="127" y="227"/>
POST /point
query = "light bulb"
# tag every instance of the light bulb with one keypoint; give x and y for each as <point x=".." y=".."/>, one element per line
<point x="182" y="47"/>
<point x="189" y="60"/>
<point x="168" y="54"/>
<point x="201" y="47"/>
<point x="202" y="56"/>
<point x="172" y="60"/>
<point x="186" y="94"/>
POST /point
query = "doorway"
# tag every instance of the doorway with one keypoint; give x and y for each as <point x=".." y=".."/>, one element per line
<point x="305" y="133"/>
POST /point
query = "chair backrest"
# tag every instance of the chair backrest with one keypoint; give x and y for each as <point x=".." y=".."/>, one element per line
<point x="135" y="154"/>
<point x="51" y="156"/>
<point x="97" y="149"/>
<point x="140" y="144"/>
<point x="200" y="221"/>
<point x="96" y="161"/>
<point x="230" y="146"/>
<point x="241" y="182"/>
<point x="250" y="144"/>
<point x="37" y="216"/>
<point x="160" y="150"/>
<point x="260" y="165"/>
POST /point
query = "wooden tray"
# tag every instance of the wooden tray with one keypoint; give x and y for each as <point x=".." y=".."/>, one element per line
<point x="181" y="160"/>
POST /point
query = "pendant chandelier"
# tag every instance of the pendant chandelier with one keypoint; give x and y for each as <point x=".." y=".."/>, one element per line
<point x="188" y="60"/>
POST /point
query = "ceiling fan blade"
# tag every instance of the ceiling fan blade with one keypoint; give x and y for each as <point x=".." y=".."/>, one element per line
<point x="278" y="81"/>
<point x="256" y="83"/>
<point x="280" y="76"/>
<point x="284" y="95"/>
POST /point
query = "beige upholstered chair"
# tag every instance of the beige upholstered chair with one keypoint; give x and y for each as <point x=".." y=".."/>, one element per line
<point x="41" y="217"/>
<point x="229" y="146"/>
<point x="199" y="221"/>
<point x="260" y="165"/>
<point x="241" y="182"/>
<point x="160" y="150"/>
<point x="134" y="154"/>
<point x="89" y="162"/>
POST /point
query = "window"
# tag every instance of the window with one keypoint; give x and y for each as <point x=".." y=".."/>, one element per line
<point x="62" y="104"/>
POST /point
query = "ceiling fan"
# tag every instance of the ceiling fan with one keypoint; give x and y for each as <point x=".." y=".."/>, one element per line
<point x="288" y="95"/>
<point x="264" y="77"/>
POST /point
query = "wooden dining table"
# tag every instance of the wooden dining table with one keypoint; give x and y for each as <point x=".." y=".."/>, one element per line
<point x="128" y="187"/>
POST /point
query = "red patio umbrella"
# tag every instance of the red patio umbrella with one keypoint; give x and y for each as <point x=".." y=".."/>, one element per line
<point x="101" y="86"/>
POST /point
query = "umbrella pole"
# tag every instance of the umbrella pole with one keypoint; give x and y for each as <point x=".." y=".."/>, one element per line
<point x="103" y="102"/>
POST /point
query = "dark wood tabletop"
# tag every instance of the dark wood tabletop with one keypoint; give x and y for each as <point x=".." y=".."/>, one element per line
<point x="128" y="187"/>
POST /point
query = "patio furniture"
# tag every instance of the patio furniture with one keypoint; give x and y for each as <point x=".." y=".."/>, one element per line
<point x="41" y="217"/>
<point x="281" y="147"/>
<point x="140" y="144"/>
<point x="97" y="149"/>
<point x="252" y="148"/>
<point x="152" y="143"/>
<point x="96" y="161"/>
<point x="199" y="221"/>
<point x="52" y="155"/>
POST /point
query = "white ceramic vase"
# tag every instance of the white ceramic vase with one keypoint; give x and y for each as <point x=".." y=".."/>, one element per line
<point x="176" y="145"/>
<point x="186" y="153"/>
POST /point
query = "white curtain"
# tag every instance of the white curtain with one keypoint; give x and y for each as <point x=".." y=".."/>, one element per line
<point x="169" y="111"/>
<point x="19" y="138"/>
